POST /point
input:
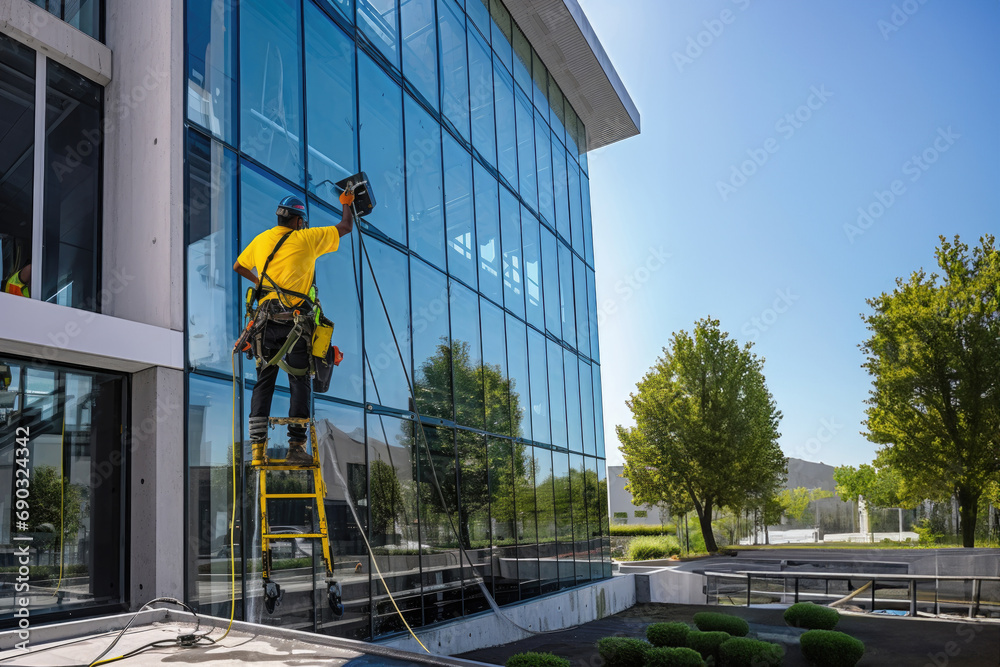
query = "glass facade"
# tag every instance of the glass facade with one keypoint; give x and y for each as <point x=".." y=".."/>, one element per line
<point x="461" y="434"/>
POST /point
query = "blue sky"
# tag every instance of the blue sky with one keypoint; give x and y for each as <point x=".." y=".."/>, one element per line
<point x="831" y="102"/>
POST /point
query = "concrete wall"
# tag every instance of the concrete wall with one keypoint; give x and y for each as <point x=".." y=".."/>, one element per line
<point x="554" y="612"/>
<point x="620" y="500"/>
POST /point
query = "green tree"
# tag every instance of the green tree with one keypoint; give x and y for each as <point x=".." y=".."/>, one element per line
<point x="880" y="487"/>
<point x="795" y="502"/>
<point x="706" y="430"/>
<point x="387" y="498"/>
<point x="60" y="509"/>
<point x="934" y="358"/>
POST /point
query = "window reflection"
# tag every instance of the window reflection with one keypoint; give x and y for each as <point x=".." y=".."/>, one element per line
<point x="271" y="85"/>
<point x="503" y="404"/>
<point x="454" y="66"/>
<point x="502" y="36"/>
<point x="479" y="12"/>
<point x="506" y="484"/>
<point x="522" y="59"/>
<point x="17" y="136"/>
<point x="574" y="423"/>
<point x="211" y="78"/>
<point x="588" y="225"/>
<point x="517" y="365"/>
<point x="211" y="284"/>
<point x="488" y="234"/>
<point x="513" y="269"/>
<point x="467" y="357"/>
<point x="595" y="352"/>
<point x="481" y="97"/>
<point x="503" y="87"/>
<point x="557" y="114"/>
<point x="377" y="21"/>
<point x="330" y="104"/>
<point x="420" y="47"/>
<point x="432" y="350"/>
<point x="474" y="516"/>
<point x="550" y="282"/>
<point x="564" y="519"/>
<point x="543" y="159"/>
<point x="535" y="314"/>
<point x="567" y="298"/>
<point x="560" y="192"/>
<point x="84" y="15"/>
<point x="557" y="395"/>
<point x="382" y="146"/>
<point x="440" y="565"/>
<point x="424" y="194"/>
<point x="580" y="301"/>
<point x="524" y="118"/>
<point x="387" y="379"/>
<point x="538" y="369"/>
<point x="578" y="505"/>
<point x="539" y="83"/>
<point x="602" y="499"/>
<point x="595" y="512"/>
<point x="599" y="410"/>
<point x="459" y="212"/>
<point x="575" y="213"/>
<point x="587" y="407"/>
<point x="548" y="561"/>
<point x="526" y="514"/>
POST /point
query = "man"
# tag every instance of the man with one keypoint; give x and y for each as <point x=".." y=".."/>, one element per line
<point x="290" y="275"/>
<point x="19" y="282"/>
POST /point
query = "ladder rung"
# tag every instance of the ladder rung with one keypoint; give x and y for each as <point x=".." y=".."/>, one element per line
<point x="291" y="495"/>
<point x="293" y="536"/>
<point x="287" y="466"/>
<point x="280" y="421"/>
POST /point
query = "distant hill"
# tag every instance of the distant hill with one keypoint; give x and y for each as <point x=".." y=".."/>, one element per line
<point x="809" y="475"/>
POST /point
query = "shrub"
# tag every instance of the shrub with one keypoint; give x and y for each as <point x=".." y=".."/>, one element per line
<point x="536" y="660"/>
<point x="667" y="634"/>
<point x="641" y="529"/>
<point x="711" y="621"/>
<point x="707" y="643"/>
<point x="811" y="616"/>
<point x="825" y="648"/>
<point x="648" y="548"/>
<point x="623" y="651"/>
<point x="743" y="652"/>
<point x="673" y="657"/>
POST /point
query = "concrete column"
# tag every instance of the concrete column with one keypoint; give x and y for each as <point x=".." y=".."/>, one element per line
<point x="156" y="499"/>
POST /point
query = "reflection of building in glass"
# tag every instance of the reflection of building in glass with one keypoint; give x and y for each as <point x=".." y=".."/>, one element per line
<point x="136" y="164"/>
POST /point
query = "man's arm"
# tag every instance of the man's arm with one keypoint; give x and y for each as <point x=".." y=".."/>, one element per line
<point x="245" y="272"/>
<point x="347" y="217"/>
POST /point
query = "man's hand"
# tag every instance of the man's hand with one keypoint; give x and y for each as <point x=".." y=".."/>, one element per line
<point x="347" y="217"/>
<point x="246" y="273"/>
<point x="347" y="197"/>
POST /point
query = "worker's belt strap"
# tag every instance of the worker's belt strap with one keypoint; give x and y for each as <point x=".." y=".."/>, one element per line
<point x="299" y="328"/>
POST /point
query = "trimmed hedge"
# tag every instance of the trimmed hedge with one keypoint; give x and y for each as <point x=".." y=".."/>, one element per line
<point x="673" y="657"/>
<point x="668" y="634"/>
<point x="811" y="616"/>
<point x="532" y="659"/>
<point x="744" y="652"/>
<point x="623" y="651"/>
<point x="712" y="621"/>
<point x="641" y="529"/>
<point x="707" y="643"/>
<point x="826" y="648"/>
<point x="649" y="548"/>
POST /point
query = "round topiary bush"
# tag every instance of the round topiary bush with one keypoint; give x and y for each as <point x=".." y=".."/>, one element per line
<point x="811" y="616"/>
<point x="536" y="660"/>
<point x="826" y="648"/>
<point x="673" y="657"/>
<point x="668" y="634"/>
<point x="712" y="621"/>
<point x="623" y="651"/>
<point x="743" y="652"/>
<point x="707" y="643"/>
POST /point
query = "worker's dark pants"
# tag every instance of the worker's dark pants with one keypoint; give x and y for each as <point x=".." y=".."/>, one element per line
<point x="300" y="387"/>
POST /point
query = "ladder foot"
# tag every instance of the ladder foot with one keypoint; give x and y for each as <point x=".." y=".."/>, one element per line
<point x="333" y="594"/>
<point x="272" y="596"/>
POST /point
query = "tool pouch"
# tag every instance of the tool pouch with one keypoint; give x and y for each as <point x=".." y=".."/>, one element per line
<point x="322" y="334"/>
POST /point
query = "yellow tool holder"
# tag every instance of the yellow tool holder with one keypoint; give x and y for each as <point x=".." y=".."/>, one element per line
<point x="264" y="465"/>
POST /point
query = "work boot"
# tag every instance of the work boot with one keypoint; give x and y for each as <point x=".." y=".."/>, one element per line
<point x="258" y="440"/>
<point x="297" y="453"/>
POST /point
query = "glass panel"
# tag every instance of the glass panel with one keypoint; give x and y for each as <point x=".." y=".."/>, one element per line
<point x="377" y="21"/>
<point x="382" y="147"/>
<point x="539" y="83"/>
<point x="386" y="378"/>
<point x="454" y="67"/>
<point x="330" y="105"/>
<point x="212" y="320"/>
<point x="479" y="12"/>
<point x="424" y="188"/>
<point x="564" y="518"/>
<point x="602" y="499"/>
<point x="481" y="98"/>
<point x="527" y="521"/>
<point x="571" y="370"/>
<point x="599" y="410"/>
<point x="557" y="114"/>
<point x="431" y="344"/>
<point x="340" y="432"/>
<point x="84" y="15"/>
<point x="61" y="482"/>
<point x="488" y="234"/>
<point x="211" y="76"/>
<point x="440" y="567"/>
<point x="526" y="150"/>
<point x="345" y="7"/>
<point x="499" y="396"/>
<point x="548" y="564"/>
<point x="575" y="212"/>
<point x="550" y="282"/>
<point x="593" y="315"/>
<point x="503" y="87"/>
<point x="337" y="281"/>
<point x="513" y="270"/>
<point x="571" y="132"/>
<point x="467" y="355"/>
<point x="504" y="474"/>
<point x="210" y="493"/>
<point x="557" y="394"/>
<point x="271" y="85"/>
<point x="503" y="37"/>
<point x="71" y="231"/>
<point x="587" y="407"/>
<point x="566" y="295"/>
<point x="522" y="60"/>
<point x="582" y="315"/>
<point x="592" y="490"/>
<point x="17" y="161"/>
<point x="540" y="421"/>
<point x="259" y="196"/>
<point x="474" y="517"/>
<point x="543" y="156"/>
<point x="578" y="505"/>
<point x="532" y="270"/>
<point x="560" y="193"/>
<point x="420" y="47"/>
<point x="458" y="212"/>
<point x="588" y="224"/>
<point x="395" y="529"/>
<point x="517" y="367"/>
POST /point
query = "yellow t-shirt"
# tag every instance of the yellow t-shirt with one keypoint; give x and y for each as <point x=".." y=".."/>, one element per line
<point x="294" y="265"/>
